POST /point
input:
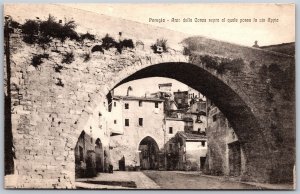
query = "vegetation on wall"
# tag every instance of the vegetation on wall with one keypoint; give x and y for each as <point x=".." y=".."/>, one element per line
<point x="108" y="42"/>
<point x="97" y="48"/>
<point x="37" y="60"/>
<point x="87" y="36"/>
<point x="222" y="65"/>
<point x="160" y="46"/>
<point x="279" y="79"/>
<point x="42" y="32"/>
<point x="68" y="58"/>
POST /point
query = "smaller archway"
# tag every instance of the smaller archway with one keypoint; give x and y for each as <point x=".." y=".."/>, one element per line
<point x="85" y="160"/>
<point x="149" y="154"/>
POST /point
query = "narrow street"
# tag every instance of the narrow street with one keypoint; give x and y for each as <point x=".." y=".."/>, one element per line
<point x="166" y="180"/>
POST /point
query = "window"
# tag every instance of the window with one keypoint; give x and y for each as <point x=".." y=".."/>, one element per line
<point x="203" y="143"/>
<point x="126" y="122"/>
<point x="140" y="103"/>
<point x="115" y="121"/>
<point x="140" y="121"/>
<point x="115" y="104"/>
<point x="170" y="130"/>
<point x="156" y="104"/>
<point x="126" y="106"/>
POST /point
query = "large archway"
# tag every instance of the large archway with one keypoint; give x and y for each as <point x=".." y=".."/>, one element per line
<point x="247" y="126"/>
<point x="148" y="154"/>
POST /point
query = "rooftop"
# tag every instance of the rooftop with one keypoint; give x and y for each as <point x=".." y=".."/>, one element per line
<point x="191" y="136"/>
<point x="137" y="98"/>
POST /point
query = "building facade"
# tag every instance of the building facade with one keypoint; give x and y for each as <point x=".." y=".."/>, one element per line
<point x="143" y="132"/>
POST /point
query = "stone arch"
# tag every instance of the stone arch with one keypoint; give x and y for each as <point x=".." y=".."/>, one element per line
<point x="233" y="103"/>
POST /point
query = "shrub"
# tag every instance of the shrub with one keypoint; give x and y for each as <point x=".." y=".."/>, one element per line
<point x="209" y="61"/>
<point x="87" y="36"/>
<point x="51" y="28"/>
<point x="15" y="24"/>
<point x="160" y="43"/>
<point x="126" y="43"/>
<point x="42" y="32"/>
<point x="108" y="42"/>
<point x="68" y="58"/>
<point x="37" y="59"/>
<point x="233" y="65"/>
<point x="30" y="30"/>
<point x="97" y="48"/>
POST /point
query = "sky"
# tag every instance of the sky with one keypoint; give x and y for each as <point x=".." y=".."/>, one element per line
<point x="150" y="85"/>
<point x="244" y="33"/>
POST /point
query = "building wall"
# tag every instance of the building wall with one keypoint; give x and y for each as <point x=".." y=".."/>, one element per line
<point x="115" y="119"/>
<point x="220" y="134"/>
<point x="127" y="145"/>
<point x="176" y="124"/>
<point x="199" y="123"/>
<point x="195" y="150"/>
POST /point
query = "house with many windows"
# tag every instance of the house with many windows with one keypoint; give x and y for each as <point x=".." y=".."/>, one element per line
<point x="141" y="120"/>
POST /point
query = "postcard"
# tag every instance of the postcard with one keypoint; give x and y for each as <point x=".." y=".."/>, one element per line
<point x="150" y="96"/>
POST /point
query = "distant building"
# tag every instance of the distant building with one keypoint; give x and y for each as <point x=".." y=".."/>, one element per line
<point x="172" y="126"/>
<point x="225" y="153"/>
<point x="165" y="87"/>
<point x="181" y="99"/>
<point x="186" y="151"/>
<point x="195" y="96"/>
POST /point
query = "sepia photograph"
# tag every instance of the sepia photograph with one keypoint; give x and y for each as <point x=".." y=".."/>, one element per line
<point x="149" y="96"/>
